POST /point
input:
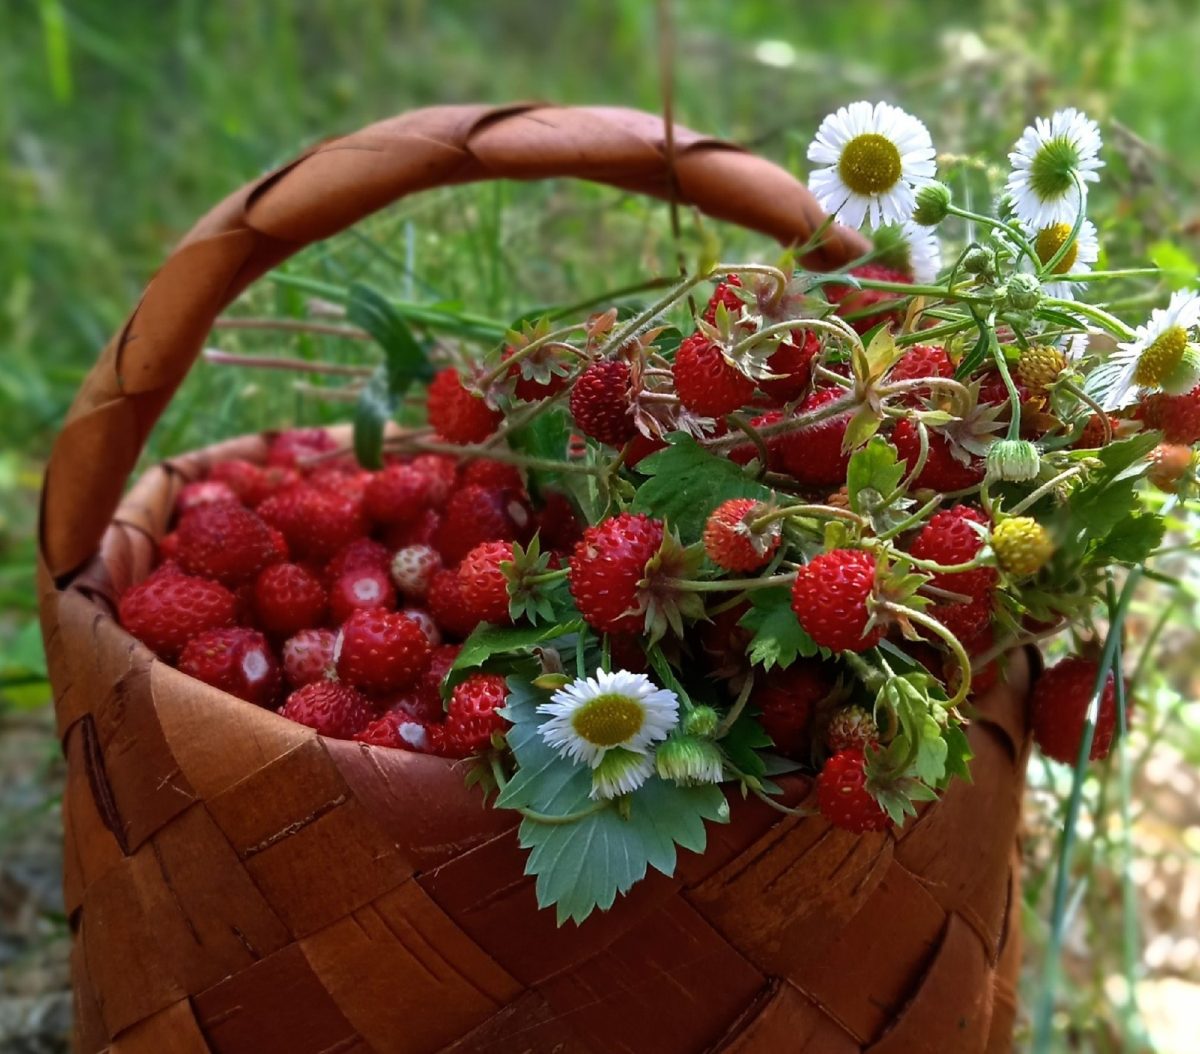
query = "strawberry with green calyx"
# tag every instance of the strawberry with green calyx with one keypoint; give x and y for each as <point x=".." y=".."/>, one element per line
<point x="534" y="587"/>
<point x="536" y="368"/>
<point x="741" y="536"/>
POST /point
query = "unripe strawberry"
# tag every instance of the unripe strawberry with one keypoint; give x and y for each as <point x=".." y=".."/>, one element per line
<point x="413" y="568"/>
<point x="1039" y="367"/>
<point x="1022" y="545"/>
<point x="308" y="656"/>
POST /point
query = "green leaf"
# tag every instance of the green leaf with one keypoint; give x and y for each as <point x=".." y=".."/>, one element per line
<point x="1131" y="540"/>
<point x="873" y="474"/>
<point x="743" y="743"/>
<point x="687" y="482"/>
<point x="405" y="357"/>
<point x="779" y="639"/>
<point x="376" y="405"/>
<point x="487" y="641"/>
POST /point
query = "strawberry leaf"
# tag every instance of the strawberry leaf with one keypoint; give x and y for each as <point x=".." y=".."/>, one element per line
<point x="779" y="639"/>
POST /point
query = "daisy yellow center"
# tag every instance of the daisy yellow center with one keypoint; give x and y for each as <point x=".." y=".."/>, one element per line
<point x="1052" y="172"/>
<point x="1161" y="357"/>
<point x="870" y="164"/>
<point x="608" y="719"/>
<point x="1050" y="240"/>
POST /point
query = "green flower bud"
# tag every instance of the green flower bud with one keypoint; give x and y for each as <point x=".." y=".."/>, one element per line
<point x="1013" y="461"/>
<point x="1186" y="373"/>
<point x="979" y="261"/>
<point x="1024" y="292"/>
<point x="702" y="721"/>
<point x="933" y="204"/>
<point x="689" y="761"/>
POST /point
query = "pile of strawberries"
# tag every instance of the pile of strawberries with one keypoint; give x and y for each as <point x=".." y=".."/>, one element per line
<point x="339" y="595"/>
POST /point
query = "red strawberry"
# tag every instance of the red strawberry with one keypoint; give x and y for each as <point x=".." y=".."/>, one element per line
<point x="743" y="455"/>
<point x="168" y="547"/>
<point x="288" y="598"/>
<point x="481" y="514"/>
<point x="308" y="656"/>
<point x="413" y="568"/>
<point x="333" y="709"/>
<point x="830" y="596"/>
<point x="441" y="472"/>
<point x="236" y="660"/>
<point x="922" y="360"/>
<point x="248" y="481"/>
<point x="606" y="567"/>
<point x="1093" y="436"/>
<point x="316" y="523"/>
<point x="458" y="415"/>
<point x="530" y="389"/>
<point x="1060" y="703"/>
<point x="843" y="797"/>
<point x="421" y="531"/>
<point x="873" y="305"/>
<point x="949" y="538"/>
<point x="559" y="526"/>
<point x="349" y="481"/>
<point x="813" y="455"/>
<point x="706" y="383"/>
<point x="418" y="704"/>
<point x="203" y="492"/>
<point x="472" y="716"/>
<point x="399" y="731"/>
<point x="381" y="651"/>
<point x="224" y="541"/>
<point x="483" y="585"/>
<point x="445" y="602"/>
<point x="170" y="608"/>
<point x="295" y="445"/>
<point x="425" y="620"/>
<point x="792" y="360"/>
<point x="398" y="494"/>
<point x="367" y="587"/>
<point x="964" y="621"/>
<point x="725" y="293"/>
<point x="943" y="472"/>
<point x="1176" y="416"/>
<point x="487" y="473"/>
<point x="602" y="404"/>
<point x="730" y="542"/>
<point x="788" y="699"/>
<point x="994" y="392"/>
<point x="440" y="661"/>
<point x="359" y="554"/>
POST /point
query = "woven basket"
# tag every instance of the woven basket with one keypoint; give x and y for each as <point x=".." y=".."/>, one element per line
<point x="238" y="884"/>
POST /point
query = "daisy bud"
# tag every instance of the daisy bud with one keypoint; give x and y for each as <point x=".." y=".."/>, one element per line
<point x="689" y="761"/>
<point x="1024" y="292"/>
<point x="701" y="721"/>
<point x="1013" y="461"/>
<point x="980" y="261"/>
<point x="933" y="204"/>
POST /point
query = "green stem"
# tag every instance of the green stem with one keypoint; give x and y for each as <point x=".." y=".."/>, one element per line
<point x="1110" y="322"/>
<point x="1047" y="271"/>
<point x="724" y="585"/>
<point x="988" y="221"/>
<point x="1036" y="495"/>
<point x="924" y="336"/>
<point x="1014" y="421"/>
<point x="735" y="711"/>
<point x="951" y="641"/>
<point x="829" y="512"/>
<point x="509" y="457"/>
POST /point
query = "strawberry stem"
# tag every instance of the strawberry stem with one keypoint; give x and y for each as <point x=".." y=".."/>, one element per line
<point x="1033" y="496"/>
<point x="723" y="585"/>
<point x="952" y="642"/>
<point x="735" y="711"/>
<point x="830" y="512"/>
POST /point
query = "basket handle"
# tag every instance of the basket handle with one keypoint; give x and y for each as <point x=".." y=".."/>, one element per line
<point x="332" y="186"/>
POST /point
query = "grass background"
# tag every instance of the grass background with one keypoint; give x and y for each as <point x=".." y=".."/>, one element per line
<point x="122" y="122"/>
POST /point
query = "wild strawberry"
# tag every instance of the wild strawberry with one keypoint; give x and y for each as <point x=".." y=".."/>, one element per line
<point x="964" y="621"/>
<point x="366" y="587"/>
<point x="441" y="659"/>
<point x="248" y="481"/>
<point x="485" y="472"/>
<point x="441" y="472"/>
<point x="333" y="709"/>
<point x="413" y="567"/>
<point x="830" y="597"/>
<point x="1061" y="698"/>
<point x="851" y="728"/>
<point x="1039" y="365"/>
<point x="920" y="361"/>
<point x="287" y="599"/>
<point x="445" y="603"/>
<point x="168" y="547"/>
<point x="943" y="472"/>
<point x="170" y="608"/>
<point x="606" y="567"/>
<point x="948" y="538"/>
<point x="203" y="492"/>
<point x="399" y="731"/>
<point x="725" y="293"/>
<point x="481" y="514"/>
<point x="236" y="660"/>
<point x="308" y="656"/>
<point x="742" y="455"/>
<point x="1022" y="545"/>
<point x="484" y="585"/>
<point x="602" y="404"/>
<point x="224" y="541"/>
<point x="472" y="719"/>
<point x="316" y="523"/>
<point x="418" y="704"/>
<point x="813" y="455"/>
<point x="425" y="620"/>
<point x="359" y="554"/>
<point x="348" y="481"/>
<point x="421" y="531"/>
<point x="993" y="391"/>
<point x="559" y="526"/>
<point x="294" y="445"/>
<point x="397" y="494"/>
<point x="1169" y="463"/>
<point x="526" y="373"/>
<point x="731" y="541"/>
<point x="1093" y="435"/>
<point x="792" y="361"/>
<point x="381" y="651"/>
<point x="872" y="306"/>
<point x="1176" y="416"/>
<point x="788" y="699"/>
<point x="843" y="797"/>
<point x="459" y="416"/>
<point x="706" y="383"/>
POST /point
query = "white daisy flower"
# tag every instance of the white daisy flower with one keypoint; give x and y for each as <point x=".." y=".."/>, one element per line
<point x="876" y="156"/>
<point x="1160" y="356"/>
<point x="594" y="715"/>
<point x="1047" y="160"/>
<point x="1078" y="259"/>
<point x="620" y="772"/>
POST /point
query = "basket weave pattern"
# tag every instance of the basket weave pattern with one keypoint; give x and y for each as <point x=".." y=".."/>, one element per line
<point x="237" y="884"/>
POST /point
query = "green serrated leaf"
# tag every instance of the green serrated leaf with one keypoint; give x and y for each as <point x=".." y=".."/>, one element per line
<point x="743" y="743"/>
<point x="779" y="639"/>
<point x="1131" y="540"/>
<point x="687" y="482"/>
<point x="875" y="468"/>
<point x="489" y="641"/>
